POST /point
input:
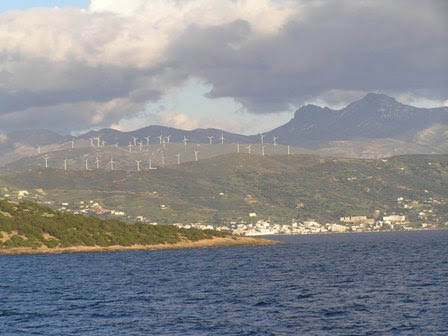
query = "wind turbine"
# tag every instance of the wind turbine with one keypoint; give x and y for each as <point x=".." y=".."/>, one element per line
<point x="160" y="137"/>
<point x="97" y="162"/>
<point x="116" y="145"/>
<point x="130" y="147"/>
<point x="87" y="164"/>
<point x="289" y="150"/>
<point x="135" y="140"/>
<point x="138" y="164"/>
<point x="262" y="138"/>
<point x="73" y="143"/>
<point x="150" y="167"/>
<point x="38" y="149"/>
<point x="147" y="140"/>
<point x="140" y="144"/>
<point x="238" y="147"/>
<point x="65" y="165"/>
<point x="178" y="158"/>
<point x="103" y="143"/>
<point x="222" y="138"/>
<point x="210" y="138"/>
<point x="249" y="147"/>
<point x="196" y="155"/>
<point x="46" y="157"/>
<point x="185" y="141"/>
<point x="168" y="137"/>
<point x="97" y="141"/>
<point x="164" y="143"/>
<point x="111" y="162"/>
<point x="91" y="142"/>
<point x="274" y="139"/>
<point x="262" y="150"/>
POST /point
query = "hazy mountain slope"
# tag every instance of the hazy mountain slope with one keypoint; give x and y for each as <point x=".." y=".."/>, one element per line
<point x="374" y="126"/>
<point x="376" y="116"/>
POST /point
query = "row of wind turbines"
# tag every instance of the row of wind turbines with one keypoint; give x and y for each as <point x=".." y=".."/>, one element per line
<point x="164" y="141"/>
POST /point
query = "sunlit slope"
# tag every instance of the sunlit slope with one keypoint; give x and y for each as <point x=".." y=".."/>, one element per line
<point x="231" y="186"/>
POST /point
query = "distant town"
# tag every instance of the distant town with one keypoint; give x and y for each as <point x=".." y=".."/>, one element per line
<point x="428" y="218"/>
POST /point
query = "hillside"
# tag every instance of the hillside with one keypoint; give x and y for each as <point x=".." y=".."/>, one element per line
<point x="373" y="127"/>
<point x="27" y="227"/>
<point x="229" y="187"/>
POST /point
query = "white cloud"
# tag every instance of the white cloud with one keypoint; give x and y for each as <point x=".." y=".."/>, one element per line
<point x="78" y="68"/>
<point x="3" y="138"/>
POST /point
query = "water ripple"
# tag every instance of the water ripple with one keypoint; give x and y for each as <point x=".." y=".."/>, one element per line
<point x="363" y="284"/>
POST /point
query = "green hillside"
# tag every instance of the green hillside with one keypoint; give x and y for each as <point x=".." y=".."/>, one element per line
<point x="231" y="186"/>
<point x="27" y="224"/>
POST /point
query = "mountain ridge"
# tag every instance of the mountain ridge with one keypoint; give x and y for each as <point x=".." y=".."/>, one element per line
<point x="376" y="125"/>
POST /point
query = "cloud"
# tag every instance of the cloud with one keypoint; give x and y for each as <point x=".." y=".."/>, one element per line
<point x="3" y="138"/>
<point x="71" y="69"/>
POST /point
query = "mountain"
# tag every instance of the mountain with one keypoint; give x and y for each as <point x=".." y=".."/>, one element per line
<point x="376" y="116"/>
<point x="372" y="127"/>
<point x="199" y="135"/>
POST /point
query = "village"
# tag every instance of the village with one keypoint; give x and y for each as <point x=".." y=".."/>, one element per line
<point x="252" y="225"/>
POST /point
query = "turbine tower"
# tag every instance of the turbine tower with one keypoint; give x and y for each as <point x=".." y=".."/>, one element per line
<point x="130" y="147"/>
<point x="111" y="162"/>
<point x="46" y="157"/>
<point x="274" y="139"/>
<point x="289" y="150"/>
<point x="168" y="137"/>
<point x="97" y="141"/>
<point x="73" y="143"/>
<point x="65" y="164"/>
<point x="164" y="143"/>
<point x="249" y="147"/>
<point x="222" y="139"/>
<point x="138" y="164"/>
<point x="135" y="140"/>
<point x="147" y="140"/>
<point x="97" y="162"/>
<point x="178" y="158"/>
<point x="150" y="167"/>
<point x="163" y="159"/>
<point x="238" y="147"/>
<point x="87" y="164"/>
<point x="262" y="136"/>
<point x="262" y="150"/>
<point x="103" y="143"/>
<point x="210" y="138"/>
<point x="91" y="142"/>
<point x="38" y="149"/>
<point x="185" y="141"/>
<point x="140" y="144"/>
<point x="196" y="155"/>
<point x="160" y="137"/>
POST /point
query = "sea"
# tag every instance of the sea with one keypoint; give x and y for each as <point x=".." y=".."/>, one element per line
<point x="392" y="283"/>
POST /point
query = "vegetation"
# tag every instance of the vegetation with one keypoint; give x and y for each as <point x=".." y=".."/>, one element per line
<point x="223" y="188"/>
<point x="27" y="224"/>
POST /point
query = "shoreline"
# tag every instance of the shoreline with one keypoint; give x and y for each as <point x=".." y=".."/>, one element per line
<point x="347" y="232"/>
<point x="206" y="243"/>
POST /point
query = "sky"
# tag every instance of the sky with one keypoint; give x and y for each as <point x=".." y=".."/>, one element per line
<point x="240" y="65"/>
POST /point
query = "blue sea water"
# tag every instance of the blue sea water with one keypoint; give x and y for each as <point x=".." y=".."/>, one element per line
<point x="348" y="284"/>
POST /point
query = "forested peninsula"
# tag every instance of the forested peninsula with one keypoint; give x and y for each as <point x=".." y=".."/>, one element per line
<point x="28" y="228"/>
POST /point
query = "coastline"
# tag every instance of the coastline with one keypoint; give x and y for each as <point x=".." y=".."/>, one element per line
<point x="206" y="243"/>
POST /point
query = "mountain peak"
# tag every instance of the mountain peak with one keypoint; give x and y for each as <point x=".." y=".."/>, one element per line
<point x="377" y="99"/>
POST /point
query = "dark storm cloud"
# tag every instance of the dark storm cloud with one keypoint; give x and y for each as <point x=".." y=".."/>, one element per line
<point x="94" y="69"/>
<point x="399" y="46"/>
